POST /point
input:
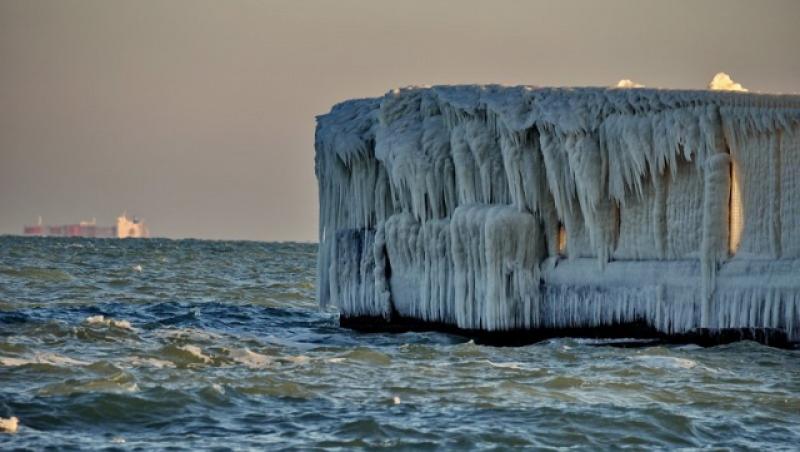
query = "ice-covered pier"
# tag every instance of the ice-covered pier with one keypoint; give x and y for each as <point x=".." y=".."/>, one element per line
<point x="546" y="211"/>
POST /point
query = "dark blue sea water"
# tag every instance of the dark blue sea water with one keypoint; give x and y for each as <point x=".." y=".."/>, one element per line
<point x="154" y="344"/>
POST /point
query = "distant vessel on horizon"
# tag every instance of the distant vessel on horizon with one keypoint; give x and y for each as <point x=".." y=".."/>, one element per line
<point x="126" y="227"/>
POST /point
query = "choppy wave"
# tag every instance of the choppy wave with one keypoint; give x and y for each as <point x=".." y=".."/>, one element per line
<point x="157" y="343"/>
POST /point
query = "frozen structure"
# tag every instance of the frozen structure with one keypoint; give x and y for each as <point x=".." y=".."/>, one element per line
<point x="543" y="210"/>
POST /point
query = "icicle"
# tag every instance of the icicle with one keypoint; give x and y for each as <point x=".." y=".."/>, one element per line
<point x="496" y="255"/>
<point x="445" y="204"/>
<point x="715" y="226"/>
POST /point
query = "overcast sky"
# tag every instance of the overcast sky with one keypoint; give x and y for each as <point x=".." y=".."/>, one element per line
<point x="199" y="115"/>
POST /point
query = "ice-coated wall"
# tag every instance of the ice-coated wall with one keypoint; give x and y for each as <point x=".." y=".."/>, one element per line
<point x="446" y="204"/>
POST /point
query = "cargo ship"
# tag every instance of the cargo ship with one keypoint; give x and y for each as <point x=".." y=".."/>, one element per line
<point x="126" y="227"/>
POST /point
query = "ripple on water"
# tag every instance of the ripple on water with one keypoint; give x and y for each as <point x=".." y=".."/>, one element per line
<point x="368" y="356"/>
<point x="38" y="274"/>
<point x="273" y="387"/>
<point x="120" y="382"/>
<point x="221" y="345"/>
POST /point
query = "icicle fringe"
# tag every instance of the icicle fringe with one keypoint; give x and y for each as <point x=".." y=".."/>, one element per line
<point x="444" y="204"/>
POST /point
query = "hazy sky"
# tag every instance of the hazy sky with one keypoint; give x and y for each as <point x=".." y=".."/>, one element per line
<point x="199" y="115"/>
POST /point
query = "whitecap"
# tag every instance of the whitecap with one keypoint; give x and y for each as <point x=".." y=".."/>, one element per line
<point x="52" y="358"/>
<point x="42" y="358"/>
<point x="189" y="334"/>
<point x="508" y="365"/>
<point x="9" y="425"/>
<point x="197" y="352"/>
<point x="102" y="320"/>
<point x="250" y="358"/>
<point x="668" y="362"/>
<point x="299" y="359"/>
<point x="14" y="362"/>
<point x="137" y="361"/>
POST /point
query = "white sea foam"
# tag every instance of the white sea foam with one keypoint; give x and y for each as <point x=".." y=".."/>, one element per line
<point x="9" y="425"/>
<point x="667" y="362"/>
<point x="299" y="359"/>
<point x="189" y="334"/>
<point x="509" y="365"/>
<point x="14" y="362"/>
<point x="42" y="358"/>
<point x="138" y="361"/>
<point x="107" y="321"/>
<point x="250" y="358"/>
<point x="197" y="352"/>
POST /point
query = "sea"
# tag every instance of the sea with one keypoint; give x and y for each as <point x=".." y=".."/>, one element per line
<point x="194" y="345"/>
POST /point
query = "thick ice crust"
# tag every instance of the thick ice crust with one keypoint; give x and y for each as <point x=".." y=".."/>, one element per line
<point x="518" y="208"/>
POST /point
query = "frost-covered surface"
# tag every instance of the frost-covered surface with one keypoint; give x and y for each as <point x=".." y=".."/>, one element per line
<point x="445" y="204"/>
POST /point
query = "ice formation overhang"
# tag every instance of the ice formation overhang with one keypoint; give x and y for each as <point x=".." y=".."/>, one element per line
<point x="479" y="206"/>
